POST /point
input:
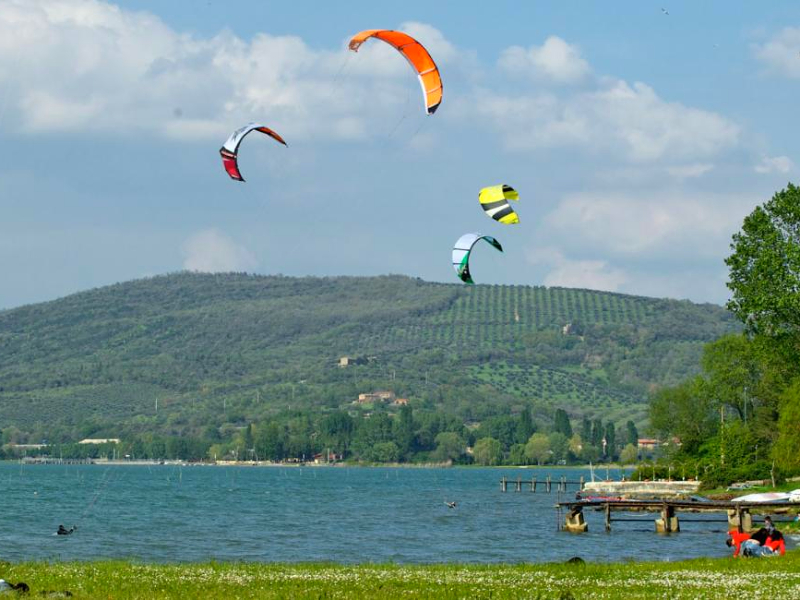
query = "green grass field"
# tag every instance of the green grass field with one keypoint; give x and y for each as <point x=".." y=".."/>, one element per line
<point x="704" y="578"/>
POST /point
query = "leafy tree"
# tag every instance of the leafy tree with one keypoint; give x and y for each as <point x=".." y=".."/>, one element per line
<point x="270" y="440"/>
<point x="597" y="433"/>
<point x="590" y="453"/>
<point x="586" y="430"/>
<point x="611" y="440"/>
<point x="336" y="431"/>
<point x="732" y="372"/>
<point x="765" y="267"/>
<point x="686" y="412"/>
<point x="449" y="446"/>
<point x="385" y="452"/>
<point x="786" y="450"/>
<point x="502" y="428"/>
<point x="538" y="448"/>
<point x="404" y="431"/>
<point x="487" y="451"/>
<point x="517" y="456"/>
<point x="562" y="424"/>
<point x="376" y="429"/>
<point x="631" y="434"/>
<point x="525" y="427"/>
<point x="629" y="454"/>
<point x="575" y="446"/>
<point x="248" y="440"/>
<point x="559" y="446"/>
<point x="737" y="443"/>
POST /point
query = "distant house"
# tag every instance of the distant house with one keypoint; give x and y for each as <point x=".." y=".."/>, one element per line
<point x="647" y="443"/>
<point x="320" y="458"/>
<point x="346" y="361"/>
<point x="400" y="402"/>
<point x="100" y="441"/>
<point x="383" y="396"/>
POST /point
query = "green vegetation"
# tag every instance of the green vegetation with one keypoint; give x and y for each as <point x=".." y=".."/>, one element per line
<point x="777" y="579"/>
<point x="738" y="419"/>
<point x="192" y="364"/>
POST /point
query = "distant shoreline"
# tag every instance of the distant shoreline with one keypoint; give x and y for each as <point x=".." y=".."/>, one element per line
<point x="221" y="463"/>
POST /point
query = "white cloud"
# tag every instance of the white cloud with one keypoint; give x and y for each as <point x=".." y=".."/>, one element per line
<point x="681" y="172"/>
<point x="774" y="164"/>
<point x="781" y="54"/>
<point x="555" y="60"/>
<point x="631" y="120"/>
<point x="433" y="40"/>
<point x="592" y="274"/>
<point x="655" y="225"/>
<point x="89" y="66"/>
<point x="210" y="251"/>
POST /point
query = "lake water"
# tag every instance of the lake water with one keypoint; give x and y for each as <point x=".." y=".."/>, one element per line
<point x="169" y="513"/>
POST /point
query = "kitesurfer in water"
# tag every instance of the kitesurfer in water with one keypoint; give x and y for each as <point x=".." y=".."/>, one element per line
<point x="64" y="531"/>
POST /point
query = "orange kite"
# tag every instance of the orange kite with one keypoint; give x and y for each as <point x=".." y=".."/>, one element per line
<point x="416" y="55"/>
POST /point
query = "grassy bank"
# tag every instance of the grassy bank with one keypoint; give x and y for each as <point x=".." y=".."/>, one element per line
<point x="704" y="578"/>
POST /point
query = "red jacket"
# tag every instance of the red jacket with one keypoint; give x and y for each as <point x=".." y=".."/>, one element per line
<point x="738" y="538"/>
<point x="776" y="545"/>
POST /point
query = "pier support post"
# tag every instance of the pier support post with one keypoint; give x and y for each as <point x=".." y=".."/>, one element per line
<point x="504" y="484"/>
<point x="533" y="484"/>
<point x="740" y="519"/>
<point x="574" y="521"/>
<point x="582" y="483"/>
<point x="518" y="487"/>
<point x="547" y="484"/>
<point x="608" y="517"/>
<point x="668" y="523"/>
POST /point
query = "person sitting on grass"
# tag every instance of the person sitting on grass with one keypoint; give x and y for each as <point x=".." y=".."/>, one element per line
<point x="775" y="542"/>
<point x="755" y="545"/>
<point x="769" y="525"/>
<point x="735" y="540"/>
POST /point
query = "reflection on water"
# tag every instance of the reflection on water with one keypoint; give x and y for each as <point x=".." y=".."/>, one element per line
<point x="194" y="513"/>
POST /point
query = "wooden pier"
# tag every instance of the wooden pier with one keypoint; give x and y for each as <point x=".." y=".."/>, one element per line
<point x="546" y="484"/>
<point x="739" y="514"/>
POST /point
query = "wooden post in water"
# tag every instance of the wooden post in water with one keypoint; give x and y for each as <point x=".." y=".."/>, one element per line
<point x="740" y="525"/>
<point x="741" y="519"/>
<point x="519" y="484"/>
<point x="533" y="484"/>
<point x="582" y="482"/>
<point x="547" y="484"/>
<point x="504" y="484"/>
<point x="564" y="484"/>
<point x="575" y="522"/>
<point x="668" y="522"/>
<point x="608" y="517"/>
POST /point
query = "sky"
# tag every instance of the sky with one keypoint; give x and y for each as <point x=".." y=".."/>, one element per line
<point x="638" y="134"/>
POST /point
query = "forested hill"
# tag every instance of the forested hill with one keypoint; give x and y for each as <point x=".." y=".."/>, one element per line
<point x="233" y="348"/>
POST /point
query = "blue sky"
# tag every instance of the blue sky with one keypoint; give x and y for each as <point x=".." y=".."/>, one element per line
<point x="637" y="140"/>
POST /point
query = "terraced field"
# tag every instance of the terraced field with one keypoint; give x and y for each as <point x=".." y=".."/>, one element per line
<point x="203" y="341"/>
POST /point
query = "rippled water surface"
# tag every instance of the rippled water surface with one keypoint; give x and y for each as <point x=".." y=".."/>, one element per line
<point x="344" y="514"/>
